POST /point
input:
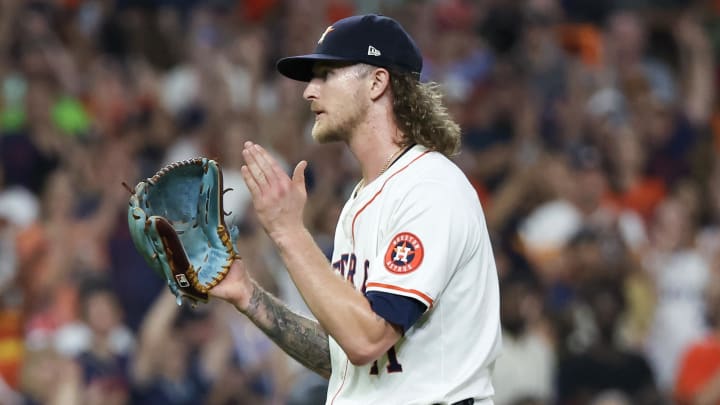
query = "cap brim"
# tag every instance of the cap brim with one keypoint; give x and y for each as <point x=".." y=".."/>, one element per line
<point x="300" y="67"/>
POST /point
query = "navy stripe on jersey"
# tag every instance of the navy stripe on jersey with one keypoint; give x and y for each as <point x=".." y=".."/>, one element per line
<point x="399" y="310"/>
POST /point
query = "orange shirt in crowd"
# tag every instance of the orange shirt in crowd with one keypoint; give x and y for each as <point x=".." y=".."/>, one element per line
<point x="52" y="298"/>
<point x="699" y="365"/>
<point x="583" y="40"/>
<point x="11" y="346"/>
<point x="642" y="198"/>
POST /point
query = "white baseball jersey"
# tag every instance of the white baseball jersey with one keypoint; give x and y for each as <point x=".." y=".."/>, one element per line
<point x="418" y="231"/>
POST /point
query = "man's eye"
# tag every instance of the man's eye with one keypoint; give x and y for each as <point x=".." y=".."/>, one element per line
<point x="323" y="73"/>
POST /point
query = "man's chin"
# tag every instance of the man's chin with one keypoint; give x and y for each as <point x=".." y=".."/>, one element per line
<point x="321" y="136"/>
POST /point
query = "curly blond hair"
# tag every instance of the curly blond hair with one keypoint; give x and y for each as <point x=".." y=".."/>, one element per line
<point x="421" y="115"/>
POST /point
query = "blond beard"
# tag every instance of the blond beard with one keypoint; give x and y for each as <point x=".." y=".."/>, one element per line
<point x="327" y="135"/>
<point x="340" y="132"/>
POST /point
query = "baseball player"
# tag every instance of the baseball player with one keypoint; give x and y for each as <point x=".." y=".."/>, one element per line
<point x="408" y="310"/>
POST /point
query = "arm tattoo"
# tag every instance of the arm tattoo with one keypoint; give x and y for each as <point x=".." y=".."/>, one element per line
<point x="302" y="338"/>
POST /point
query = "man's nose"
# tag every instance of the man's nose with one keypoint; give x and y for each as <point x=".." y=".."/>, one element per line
<point x="311" y="90"/>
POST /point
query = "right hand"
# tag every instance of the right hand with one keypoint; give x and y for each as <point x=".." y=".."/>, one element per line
<point x="279" y="200"/>
<point x="237" y="287"/>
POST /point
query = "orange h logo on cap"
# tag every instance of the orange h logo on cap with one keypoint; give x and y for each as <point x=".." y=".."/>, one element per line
<point x="322" y="37"/>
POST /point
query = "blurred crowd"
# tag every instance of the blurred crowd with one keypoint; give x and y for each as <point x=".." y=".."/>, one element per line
<point x="591" y="132"/>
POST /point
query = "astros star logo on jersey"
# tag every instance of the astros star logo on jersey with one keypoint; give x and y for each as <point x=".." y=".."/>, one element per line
<point x="405" y="253"/>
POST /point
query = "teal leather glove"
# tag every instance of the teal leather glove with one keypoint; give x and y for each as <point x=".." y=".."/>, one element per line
<point x="177" y="223"/>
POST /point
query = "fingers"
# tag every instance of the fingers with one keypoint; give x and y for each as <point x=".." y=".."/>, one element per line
<point x="278" y="199"/>
<point x="255" y="166"/>
<point x="262" y="166"/>
<point x="299" y="174"/>
<point x="250" y="181"/>
<point x="269" y="165"/>
<point x="265" y="178"/>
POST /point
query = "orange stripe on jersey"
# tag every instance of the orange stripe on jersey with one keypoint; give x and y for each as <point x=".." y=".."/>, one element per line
<point x="380" y="191"/>
<point x="406" y="290"/>
<point x="347" y="363"/>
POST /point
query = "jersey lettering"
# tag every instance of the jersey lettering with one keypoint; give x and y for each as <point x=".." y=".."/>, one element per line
<point x="367" y="268"/>
<point x="351" y="269"/>
<point x="341" y="264"/>
<point x="347" y="266"/>
<point x="393" y="366"/>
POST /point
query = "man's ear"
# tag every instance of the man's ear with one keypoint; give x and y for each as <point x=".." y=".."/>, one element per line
<point x="380" y="82"/>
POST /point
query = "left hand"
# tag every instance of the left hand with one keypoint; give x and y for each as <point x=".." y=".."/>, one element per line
<point x="278" y="200"/>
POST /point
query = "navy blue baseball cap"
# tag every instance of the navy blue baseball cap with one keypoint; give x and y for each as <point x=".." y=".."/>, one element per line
<point x="373" y="39"/>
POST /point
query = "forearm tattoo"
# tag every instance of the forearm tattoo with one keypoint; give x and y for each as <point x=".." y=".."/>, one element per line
<point x="302" y="338"/>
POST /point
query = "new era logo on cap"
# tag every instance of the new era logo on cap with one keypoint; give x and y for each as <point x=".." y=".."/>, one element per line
<point x="372" y="51"/>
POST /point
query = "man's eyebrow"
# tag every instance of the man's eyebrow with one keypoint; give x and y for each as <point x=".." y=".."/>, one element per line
<point x="332" y="64"/>
<point x="320" y="67"/>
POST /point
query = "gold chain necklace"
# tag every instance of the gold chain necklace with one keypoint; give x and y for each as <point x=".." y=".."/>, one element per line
<point x="390" y="160"/>
<point x="386" y="166"/>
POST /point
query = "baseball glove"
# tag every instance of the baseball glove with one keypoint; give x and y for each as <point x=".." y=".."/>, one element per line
<point x="177" y="223"/>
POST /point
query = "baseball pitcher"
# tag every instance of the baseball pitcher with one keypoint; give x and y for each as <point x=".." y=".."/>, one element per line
<point x="407" y="311"/>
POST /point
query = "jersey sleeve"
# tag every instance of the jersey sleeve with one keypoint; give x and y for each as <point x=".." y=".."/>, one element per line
<point x="422" y="242"/>
<point x="399" y="310"/>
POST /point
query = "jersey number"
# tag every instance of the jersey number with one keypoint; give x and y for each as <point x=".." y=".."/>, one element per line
<point x="392" y="367"/>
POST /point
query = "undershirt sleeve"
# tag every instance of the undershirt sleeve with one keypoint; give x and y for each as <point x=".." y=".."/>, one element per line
<point x="399" y="310"/>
